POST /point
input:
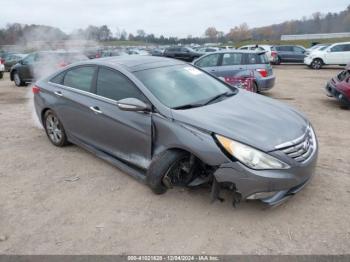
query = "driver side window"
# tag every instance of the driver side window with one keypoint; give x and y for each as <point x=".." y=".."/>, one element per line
<point x="298" y="49"/>
<point x="114" y="85"/>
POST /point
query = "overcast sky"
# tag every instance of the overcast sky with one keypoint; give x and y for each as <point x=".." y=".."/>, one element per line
<point x="168" y="17"/>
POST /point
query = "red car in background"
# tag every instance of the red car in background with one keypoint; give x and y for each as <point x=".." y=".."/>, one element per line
<point x="339" y="87"/>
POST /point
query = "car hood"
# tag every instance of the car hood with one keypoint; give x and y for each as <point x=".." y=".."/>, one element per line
<point x="316" y="53"/>
<point x="248" y="118"/>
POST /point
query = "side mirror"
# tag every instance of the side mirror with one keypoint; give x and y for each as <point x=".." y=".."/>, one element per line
<point x="133" y="104"/>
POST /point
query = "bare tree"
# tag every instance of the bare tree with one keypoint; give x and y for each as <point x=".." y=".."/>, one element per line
<point x="212" y="34"/>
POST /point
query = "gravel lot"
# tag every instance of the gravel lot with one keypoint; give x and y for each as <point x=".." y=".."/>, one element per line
<point x="67" y="201"/>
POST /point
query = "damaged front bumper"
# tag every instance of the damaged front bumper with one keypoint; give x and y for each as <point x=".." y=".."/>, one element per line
<point x="272" y="187"/>
<point x="332" y="91"/>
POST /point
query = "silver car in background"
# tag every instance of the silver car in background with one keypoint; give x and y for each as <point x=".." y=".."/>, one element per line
<point x="170" y="124"/>
<point x="229" y="65"/>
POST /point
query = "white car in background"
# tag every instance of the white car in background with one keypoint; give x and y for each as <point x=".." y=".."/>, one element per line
<point x="270" y="51"/>
<point x="316" y="47"/>
<point x="334" y="54"/>
<point x="208" y="49"/>
<point x="2" y="68"/>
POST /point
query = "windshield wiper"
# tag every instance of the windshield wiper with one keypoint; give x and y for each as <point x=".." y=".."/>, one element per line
<point x="211" y="100"/>
<point x="188" y="106"/>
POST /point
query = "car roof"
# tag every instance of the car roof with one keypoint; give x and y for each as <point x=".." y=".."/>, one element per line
<point x="238" y="51"/>
<point x="138" y="63"/>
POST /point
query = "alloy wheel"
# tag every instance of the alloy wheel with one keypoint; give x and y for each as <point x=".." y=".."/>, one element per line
<point x="17" y="79"/>
<point x="54" y="129"/>
<point x="316" y="64"/>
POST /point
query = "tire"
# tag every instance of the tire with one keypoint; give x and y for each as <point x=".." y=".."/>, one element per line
<point x="278" y="61"/>
<point x="164" y="165"/>
<point x="316" y="64"/>
<point x="17" y="79"/>
<point x="1" y="75"/>
<point x="54" y="129"/>
<point x="255" y="88"/>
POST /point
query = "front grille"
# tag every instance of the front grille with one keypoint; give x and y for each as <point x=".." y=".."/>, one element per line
<point x="302" y="148"/>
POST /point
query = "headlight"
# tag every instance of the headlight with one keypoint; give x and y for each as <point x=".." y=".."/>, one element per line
<point x="249" y="156"/>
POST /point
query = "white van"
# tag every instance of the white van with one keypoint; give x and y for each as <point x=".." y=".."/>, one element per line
<point x="335" y="54"/>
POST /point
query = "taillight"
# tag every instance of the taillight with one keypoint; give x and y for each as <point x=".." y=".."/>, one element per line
<point x="273" y="53"/>
<point x="263" y="72"/>
<point x="35" y="89"/>
<point x="2" y="61"/>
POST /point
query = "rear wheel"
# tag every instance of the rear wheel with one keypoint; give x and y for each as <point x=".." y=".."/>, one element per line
<point x="255" y="88"/>
<point x="54" y="129"/>
<point x="169" y="169"/>
<point x="1" y="75"/>
<point x="17" y="79"/>
<point x="316" y="64"/>
<point x="278" y="60"/>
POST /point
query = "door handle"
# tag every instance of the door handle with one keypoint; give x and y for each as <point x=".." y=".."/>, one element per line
<point x="58" y="93"/>
<point x="96" y="109"/>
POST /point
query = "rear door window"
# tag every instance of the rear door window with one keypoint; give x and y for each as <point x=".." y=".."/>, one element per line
<point x="114" y="85"/>
<point x="80" y="78"/>
<point x="208" y="61"/>
<point x="338" y="48"/>
<point x="58" y="79"/>
<point x="232" y="59"/>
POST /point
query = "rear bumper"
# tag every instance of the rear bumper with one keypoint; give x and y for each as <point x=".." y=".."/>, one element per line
<point x="334" y="92"/>
<point x="266" y="83"/>
<point x="2" y="68"/>
<point x="280" y="185"/>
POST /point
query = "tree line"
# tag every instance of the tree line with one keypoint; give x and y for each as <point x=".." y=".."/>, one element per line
<point x="16" y="33"/>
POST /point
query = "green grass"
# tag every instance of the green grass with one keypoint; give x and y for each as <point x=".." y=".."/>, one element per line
<point x="306" y="43"/>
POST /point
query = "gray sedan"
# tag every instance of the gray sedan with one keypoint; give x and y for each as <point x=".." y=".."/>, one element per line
<point x="238" y="64"/>
<point x="170" y="124"/>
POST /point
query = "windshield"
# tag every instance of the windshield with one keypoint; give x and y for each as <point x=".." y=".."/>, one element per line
<point x="181" y="85"/>
<point x="324" y="47"/>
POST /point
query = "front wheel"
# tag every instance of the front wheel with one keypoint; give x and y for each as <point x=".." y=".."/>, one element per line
<point x="316" y="64"/>
<point x="170" y="168"/>
<point x="54" y="129"/>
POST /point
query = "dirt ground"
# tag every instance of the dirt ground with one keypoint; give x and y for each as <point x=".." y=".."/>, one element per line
<point x="67" y="201"/>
